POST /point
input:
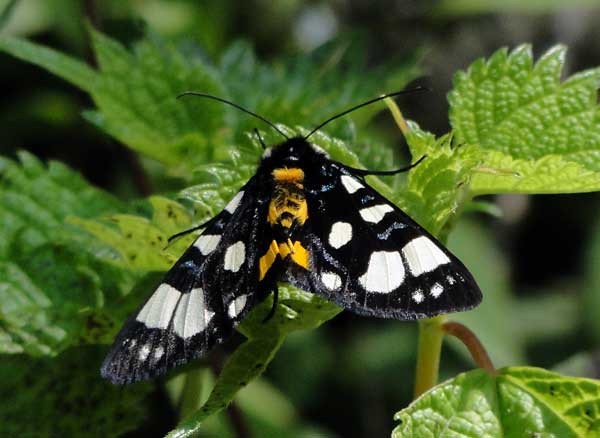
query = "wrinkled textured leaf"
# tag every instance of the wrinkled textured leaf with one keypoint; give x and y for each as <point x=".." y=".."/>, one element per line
<point x="538" y="125"/>
<point x="53" y="288"/>
<point x="552" y="173"/>
<point x="519" y="401"/>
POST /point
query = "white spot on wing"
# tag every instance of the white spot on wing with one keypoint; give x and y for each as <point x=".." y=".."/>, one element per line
<point x="236" y="306"/>
<point x="418" y="296"/>
<point x="234" y="256"/>
<point x="385" y="272"/>
<point x="450" y="279"/>
<point x="191" y="316"/>
<point x="375" y="213"/>
<point x="233" y="204"/>
<point x="207" y="243"/>
<point x="267" y="153"/>
<point x="340" y="234"/>
<point x="422" y="255"/>
<point x="351" y="184"/>
<point x="158" y="353"/>
<point x="331" y="280"/>
<point x="157" y="312"/>
<point x="144" y="352"/>
<point x="436" y="290"/>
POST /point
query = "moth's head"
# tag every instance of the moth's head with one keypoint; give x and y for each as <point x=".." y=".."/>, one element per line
<point x="293" y="152"/>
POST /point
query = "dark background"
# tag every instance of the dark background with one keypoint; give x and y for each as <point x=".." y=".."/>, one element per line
<point x="349" y="377"/>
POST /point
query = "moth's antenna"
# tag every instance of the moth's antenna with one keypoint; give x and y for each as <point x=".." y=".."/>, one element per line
<point x="235" y="105"/>
<point x="262" y="143"/>
<point x="368" y="102"/>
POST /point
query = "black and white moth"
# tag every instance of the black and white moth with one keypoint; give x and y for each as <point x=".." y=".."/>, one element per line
<point x="305" y="219"/>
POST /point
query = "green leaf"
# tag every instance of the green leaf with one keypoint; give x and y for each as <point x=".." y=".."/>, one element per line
<point x="51" y="397"/>
<point x="541" y="135"/>
<point x="136" y="96"/>
<point x="53" y="287"/>
<point x="68" y="68"/>
<point x="297" y="310"/>
<point x="436" y="187"/>
<point x="519" y="401"/>
<point x="552" y="173"/>
<point x="141" y="243"/>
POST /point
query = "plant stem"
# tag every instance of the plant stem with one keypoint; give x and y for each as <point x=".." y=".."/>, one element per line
<point x="397" y="115"/>
<point x="467" y="337"/>
<point x="429" y="351"/>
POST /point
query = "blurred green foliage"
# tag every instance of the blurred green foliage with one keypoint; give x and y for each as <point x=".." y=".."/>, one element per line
<point x="77" y="260"/>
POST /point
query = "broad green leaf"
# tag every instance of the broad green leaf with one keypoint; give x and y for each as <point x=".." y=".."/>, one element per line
<point x="75" y="71"/>
<point x="64" y="396"/>
<point x="543" y="134"/>
<point x="518" y="402"/>
<point x="136" y="96"/>
<point x="141" y="243"/>
<point x="552" y="173"/>
<point x="53" y="286"/>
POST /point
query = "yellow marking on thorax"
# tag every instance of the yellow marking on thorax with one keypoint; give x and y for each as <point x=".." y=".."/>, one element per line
<point x="288" y="197"/>
<point x="288" y="175"/>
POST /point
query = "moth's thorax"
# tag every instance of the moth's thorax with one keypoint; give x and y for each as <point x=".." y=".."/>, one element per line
<point x="288" y="201"/>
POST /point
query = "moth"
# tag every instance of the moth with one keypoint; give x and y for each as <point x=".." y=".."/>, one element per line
<point x="304" y="219"/>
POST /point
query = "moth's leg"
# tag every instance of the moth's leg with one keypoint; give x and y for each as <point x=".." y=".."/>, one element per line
<point x="190" y="230"/>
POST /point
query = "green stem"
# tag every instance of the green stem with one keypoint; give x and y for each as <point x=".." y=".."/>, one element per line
<point x="431" y="331"/>
<point x="431" y="334"/>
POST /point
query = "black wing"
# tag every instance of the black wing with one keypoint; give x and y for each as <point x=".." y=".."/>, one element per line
<point x="200" y="300"/>
<point x="370" y="257"/>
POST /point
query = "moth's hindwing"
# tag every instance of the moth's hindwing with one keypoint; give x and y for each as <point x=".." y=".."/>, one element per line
<point x="200" y="300"/>
<point x="369" y="257"/>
